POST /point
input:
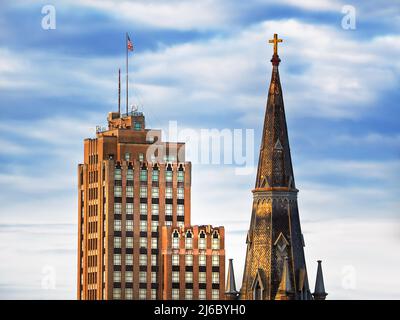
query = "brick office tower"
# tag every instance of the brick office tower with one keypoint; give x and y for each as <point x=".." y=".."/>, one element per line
<point x="193" y="263"/>
<point x="131" y="184"/>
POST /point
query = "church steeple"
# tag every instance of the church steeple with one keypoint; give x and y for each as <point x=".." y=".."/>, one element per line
<point x="275" y="266"/>
<point x="275" y="166"/>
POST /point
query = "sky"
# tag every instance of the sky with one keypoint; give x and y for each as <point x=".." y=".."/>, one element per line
<point x="205" y="64"/>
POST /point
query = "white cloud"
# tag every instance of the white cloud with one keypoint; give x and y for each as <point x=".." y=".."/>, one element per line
<point x="338" y="76"/>
<point x="180" y="15"/>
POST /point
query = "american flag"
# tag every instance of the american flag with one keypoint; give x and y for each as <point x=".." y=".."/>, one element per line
<point x="129" y="44"/>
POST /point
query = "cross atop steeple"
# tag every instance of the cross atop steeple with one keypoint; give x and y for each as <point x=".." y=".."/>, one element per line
<point x="275" y="41"/>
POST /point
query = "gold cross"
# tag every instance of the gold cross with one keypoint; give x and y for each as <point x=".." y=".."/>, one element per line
<point x="275" y="41"/>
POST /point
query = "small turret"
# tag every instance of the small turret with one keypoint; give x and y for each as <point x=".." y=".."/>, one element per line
<point x="319" y="291"/>
<point x="285" y="289"/>
<point x="231" y="293"/>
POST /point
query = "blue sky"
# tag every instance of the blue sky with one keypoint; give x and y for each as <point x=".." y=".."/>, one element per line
<point x="206" y="65"/>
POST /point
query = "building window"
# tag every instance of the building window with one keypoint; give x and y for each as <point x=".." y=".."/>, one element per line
<point x="128" y="276"/>
<point x="168" y="209"/>
<point x="215" y="260"/>
<point x="188" y="277"/>
<point x="175" y="259"/>
<point x="202" y="259"/>
<point x="117" y="225"/>
<point x="188" y="259"/>
<point x="202" y="240"/>
<point x="129" y="174"/>
<point x="154" y="209"/>
<point x="143" y="192"/>
<point x="143" y="259"/>
<point x="118" y="174"/>
<point x="154" y="226"/>
<point x="175" y="240"/>
<point x="117" y="208"/>
<point x="128" y="294"/>
<point x="168" y="193"/>
<point x="180" y="210"/>
<point x="154" y="243"/>
<point x="168" y="223"/>
<point x="180" y="224"/>
<point x="202" y="277"/>
<point x="129" y="225"/>
<point x="129" y="259"/>
<point x="129" y="208"/>
<point x="181" y="175"/>
<point x="143" y="174"/>
<point x="141" y="157"/>
<point x="188" y="240"/>
<point x="117" y="276"/>
<point x="175" y="276"/>
<point x="202" y="294"/>
<point x="129" y="242"/>
<point x="175" y="294"/>
<point x="117" y="259"/>
<point x="168" y="175"/>
<point x="143" y="225"/>
<point x="143" y="242"/>
<point x="127" y="156"/>
<point x="189" y="294"/>
<point x="117" y="191"/>
<point x="215" y="241"/>
<point x="215" y="277"/>
<point x="138" y="126"/>
<point x="143" y="208"/>
<point x="155" y="192"/>
<point x="142" y="294"/>
<point x="153" y="294"/>
<point x="117" y="242"/>
<point x="116" y="293"/>
<point x="155" y="175"/>
<point x="143" y="276"/>
<point x="215" y="294"/>
<point x="153" y="259"/>
<point x="129" y="191"/>
<point x="154" y="277"/>
<point x="181" y="193"/>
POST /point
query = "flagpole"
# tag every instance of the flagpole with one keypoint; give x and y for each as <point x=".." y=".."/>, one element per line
<point x="126" y="48"/>
<point x="119" y="92"/>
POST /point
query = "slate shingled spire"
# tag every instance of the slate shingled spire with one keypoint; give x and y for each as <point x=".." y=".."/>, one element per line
<point x="274" y="240"/>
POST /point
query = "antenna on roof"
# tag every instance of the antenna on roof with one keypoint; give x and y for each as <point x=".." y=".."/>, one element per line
<point x="119" y="91"/>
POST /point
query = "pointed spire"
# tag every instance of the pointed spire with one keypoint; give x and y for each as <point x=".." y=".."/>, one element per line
<point x="285" y="289"/>
<point x="231" y="291"/>
<point x="275" y="165"/>
<point x="319" y="291"/>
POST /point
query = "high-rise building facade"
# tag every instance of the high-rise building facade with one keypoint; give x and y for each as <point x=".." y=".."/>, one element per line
<point x="131" y="185"/>
<point x="193" y="263"/>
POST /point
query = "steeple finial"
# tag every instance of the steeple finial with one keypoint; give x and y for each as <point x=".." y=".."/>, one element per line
<point x="231" y="292"/>
<point x="319" y="291"/>
<point x="275" y="58"/>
